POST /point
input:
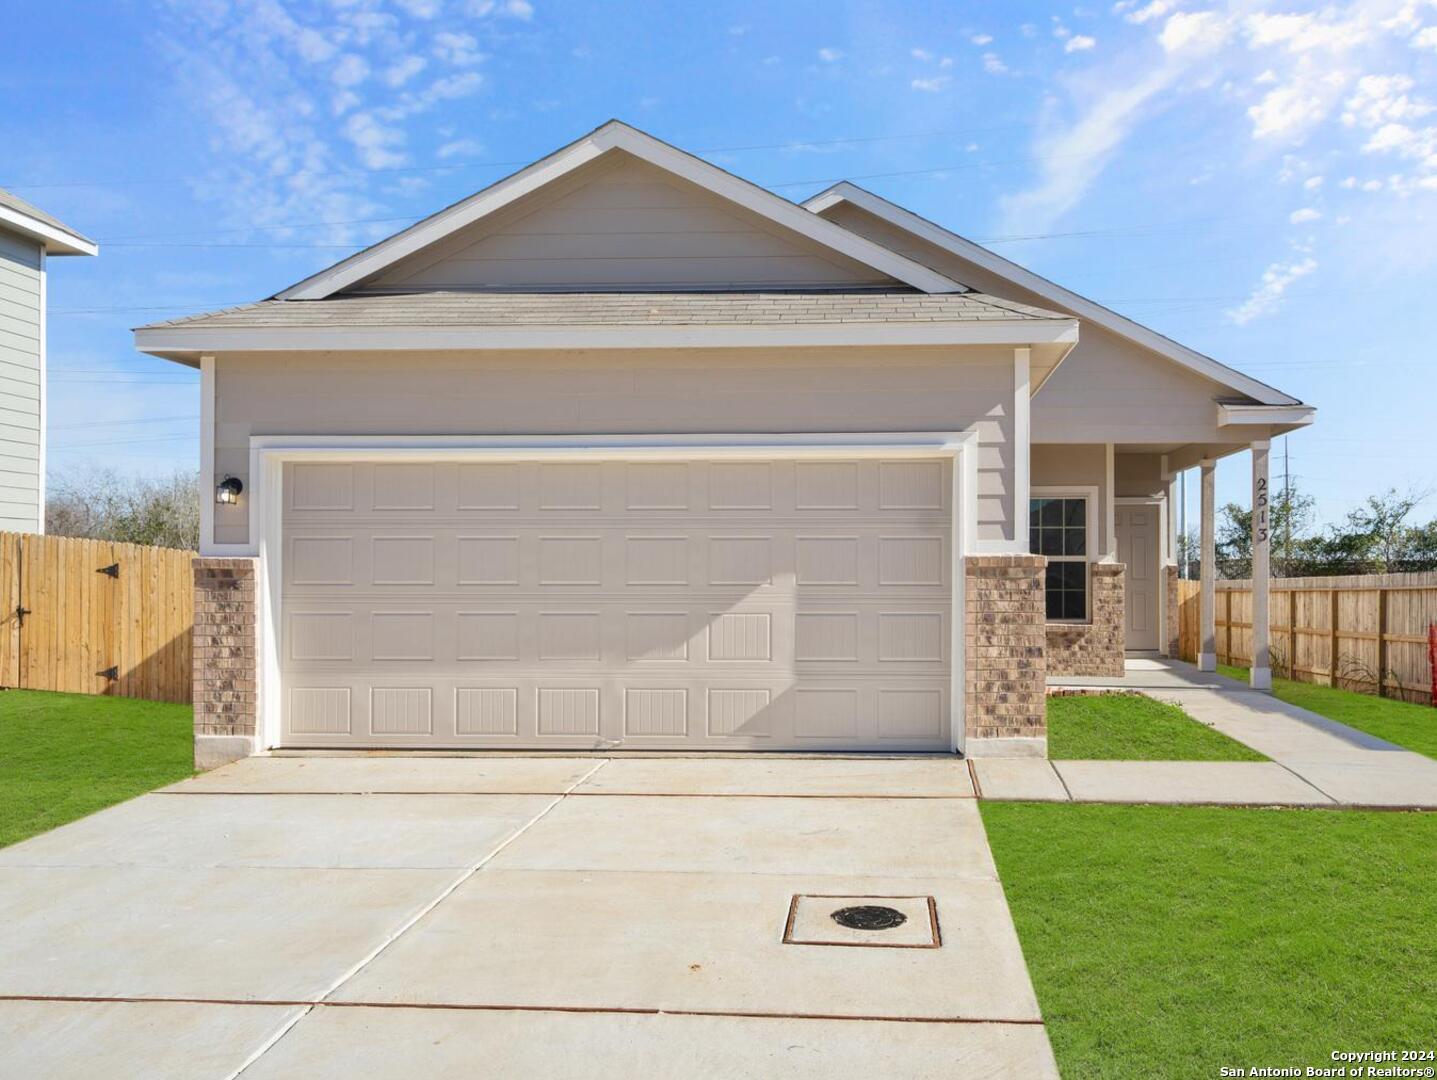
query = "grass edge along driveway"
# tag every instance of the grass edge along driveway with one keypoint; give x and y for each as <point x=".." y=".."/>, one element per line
<point x="68" y="755"/>
<point x="1172" y="941"/>
<point x="1402" y="722"/>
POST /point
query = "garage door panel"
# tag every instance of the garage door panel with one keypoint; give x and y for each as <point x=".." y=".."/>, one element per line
<point x="754" y="604"/>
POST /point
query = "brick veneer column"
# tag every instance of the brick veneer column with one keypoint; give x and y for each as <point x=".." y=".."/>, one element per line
<point x="1171" y="628"/>
<point x="226" y="660"/>
<point x="1006" y="699"/>
<point x="1094" y="647"/>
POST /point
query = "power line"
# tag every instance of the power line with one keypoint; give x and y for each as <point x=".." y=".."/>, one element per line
<point x="122" y="423"/>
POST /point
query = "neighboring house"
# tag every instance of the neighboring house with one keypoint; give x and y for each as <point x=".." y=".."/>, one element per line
<point x="28" y="237"/>
<point x="627" y="452"/>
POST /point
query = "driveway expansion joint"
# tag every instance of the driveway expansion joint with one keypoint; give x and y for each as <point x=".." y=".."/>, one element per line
<point x="615" y="1010"/>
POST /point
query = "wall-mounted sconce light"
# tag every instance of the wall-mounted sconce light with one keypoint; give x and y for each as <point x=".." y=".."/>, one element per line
<point x="228" y="491"/>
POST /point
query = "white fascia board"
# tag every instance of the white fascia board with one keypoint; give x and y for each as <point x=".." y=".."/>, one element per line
<point x="54" y="241"/>
<point x="1049" y="291"/>
<point x="616" y="136"/>
<point x="168" y="341"/>
<point x="1291" y="415"/>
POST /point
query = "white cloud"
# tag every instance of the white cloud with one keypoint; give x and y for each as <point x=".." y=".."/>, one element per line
<point x="457" y="49"/>
<point x="1380" y="99"/>
<point x="1194" y="32"/>
<point x="1426" y="38"/>
<point x="399" y="73"/>
<point x="1293" y="109"/>
<point x="420" y="9"/>
<point x="1079" y="43"/>
<point x="993" y="65"/>
<point x="1075" y="157"/>
<point x="350" y="71"/>
<point x="377" y="144"/>
<point x="515" y="9"/>
<point x="1303" y="33"/>
<point x="981" y="39"/>
<point x="343" y="101"/>
<point x="933" y="85"/>
<point x="461" y="148"/>
<point x="920" y="54"/>
<point x="1312" y="183"/>
<point x="1267" y="297"/>
<point x="1305" y="215"/>
<point x="829" y="56"/>
<point x="1155" y="10"/>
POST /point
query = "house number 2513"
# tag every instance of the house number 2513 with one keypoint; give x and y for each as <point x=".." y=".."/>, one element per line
<point x="1261" y="510"/>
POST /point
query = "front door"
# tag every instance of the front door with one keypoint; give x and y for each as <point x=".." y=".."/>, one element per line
<point x="1138" y="549"/>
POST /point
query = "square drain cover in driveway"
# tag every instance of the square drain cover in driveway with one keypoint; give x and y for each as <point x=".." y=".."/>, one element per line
<point x="894" y="922"/>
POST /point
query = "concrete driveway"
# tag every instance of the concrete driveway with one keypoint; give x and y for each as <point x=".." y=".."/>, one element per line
<point x="549" y="916"/>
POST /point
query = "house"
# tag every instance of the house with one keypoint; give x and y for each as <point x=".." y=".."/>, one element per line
<point x="28" y="237"/>
<point x="625" y="452"/>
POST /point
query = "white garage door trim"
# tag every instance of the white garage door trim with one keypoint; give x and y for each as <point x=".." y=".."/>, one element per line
<point x="269" y="453"/>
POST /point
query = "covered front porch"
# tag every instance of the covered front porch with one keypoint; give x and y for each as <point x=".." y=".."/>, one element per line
<point x="1110" y="517"/>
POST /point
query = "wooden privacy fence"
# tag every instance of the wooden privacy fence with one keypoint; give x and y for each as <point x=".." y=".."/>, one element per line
<point x="95" y="617"/>
<point x="1365" y="633"/>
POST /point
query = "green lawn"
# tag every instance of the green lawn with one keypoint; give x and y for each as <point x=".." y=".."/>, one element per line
<point x="68" y="755"/>
<point x="1171" y="941"/>
<point x="1401" y="722"/>
<point x="1130" y="727"/>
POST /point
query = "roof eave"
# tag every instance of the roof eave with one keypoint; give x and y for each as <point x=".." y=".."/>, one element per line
<point x="847" y="191"/>
<point x="182" y="343"/>
<point x="55" y="240"/>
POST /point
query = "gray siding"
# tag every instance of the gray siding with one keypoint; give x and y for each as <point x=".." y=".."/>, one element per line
<point x="627" y="225"/>
<point x="1107" y="390"/>
<point x="610" y="392"/>
<point x="20" y="388"/>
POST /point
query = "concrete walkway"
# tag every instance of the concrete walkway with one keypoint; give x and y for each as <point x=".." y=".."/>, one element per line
<point x="1314" y="761"/>
<point x="548" y="917"/>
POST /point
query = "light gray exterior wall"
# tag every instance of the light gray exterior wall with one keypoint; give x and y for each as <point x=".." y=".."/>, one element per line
<point x="1085" y="465"/>
<point x="22" y="278"/>
<point x="1109" y="389"/>
<point x="698" y="391"/>
<point x="624" y="224"/>
<point x="1075" y="466"/>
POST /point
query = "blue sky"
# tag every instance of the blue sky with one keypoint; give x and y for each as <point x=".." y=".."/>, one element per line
<point x="1257" y="180"/>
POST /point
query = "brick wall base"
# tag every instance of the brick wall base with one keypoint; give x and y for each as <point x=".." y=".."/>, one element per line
<point x="1095" y="647"/>
<point x="1006" y="699"/>
<point x="226" y="660"/>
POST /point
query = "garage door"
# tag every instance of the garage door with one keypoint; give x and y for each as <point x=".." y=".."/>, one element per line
<point x="724" y="604"/>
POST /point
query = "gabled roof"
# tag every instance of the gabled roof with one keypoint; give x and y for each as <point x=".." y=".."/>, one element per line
<point x="1050" y="292"/>
<point x="53" y="235"/>
<point x="616" y="136"/>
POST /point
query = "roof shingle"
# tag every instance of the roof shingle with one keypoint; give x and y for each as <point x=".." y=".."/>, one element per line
<point x="507" y="309"/>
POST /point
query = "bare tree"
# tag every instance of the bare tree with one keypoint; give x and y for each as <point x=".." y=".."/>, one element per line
<point x="103" y="504"/>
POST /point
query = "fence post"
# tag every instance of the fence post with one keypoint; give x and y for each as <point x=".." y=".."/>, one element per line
<point x="1381" y="640"/>
<point x="1227" y="622"/>
<point x="1334" y="594"/>
<point x="1292" y="633"/>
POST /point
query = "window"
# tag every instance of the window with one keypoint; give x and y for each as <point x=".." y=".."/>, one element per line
<point x="1058" y="528"/>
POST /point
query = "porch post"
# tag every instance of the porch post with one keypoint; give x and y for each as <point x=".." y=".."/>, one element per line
<point x="1260" y="674"/>
<point x="1207" y="654"/>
